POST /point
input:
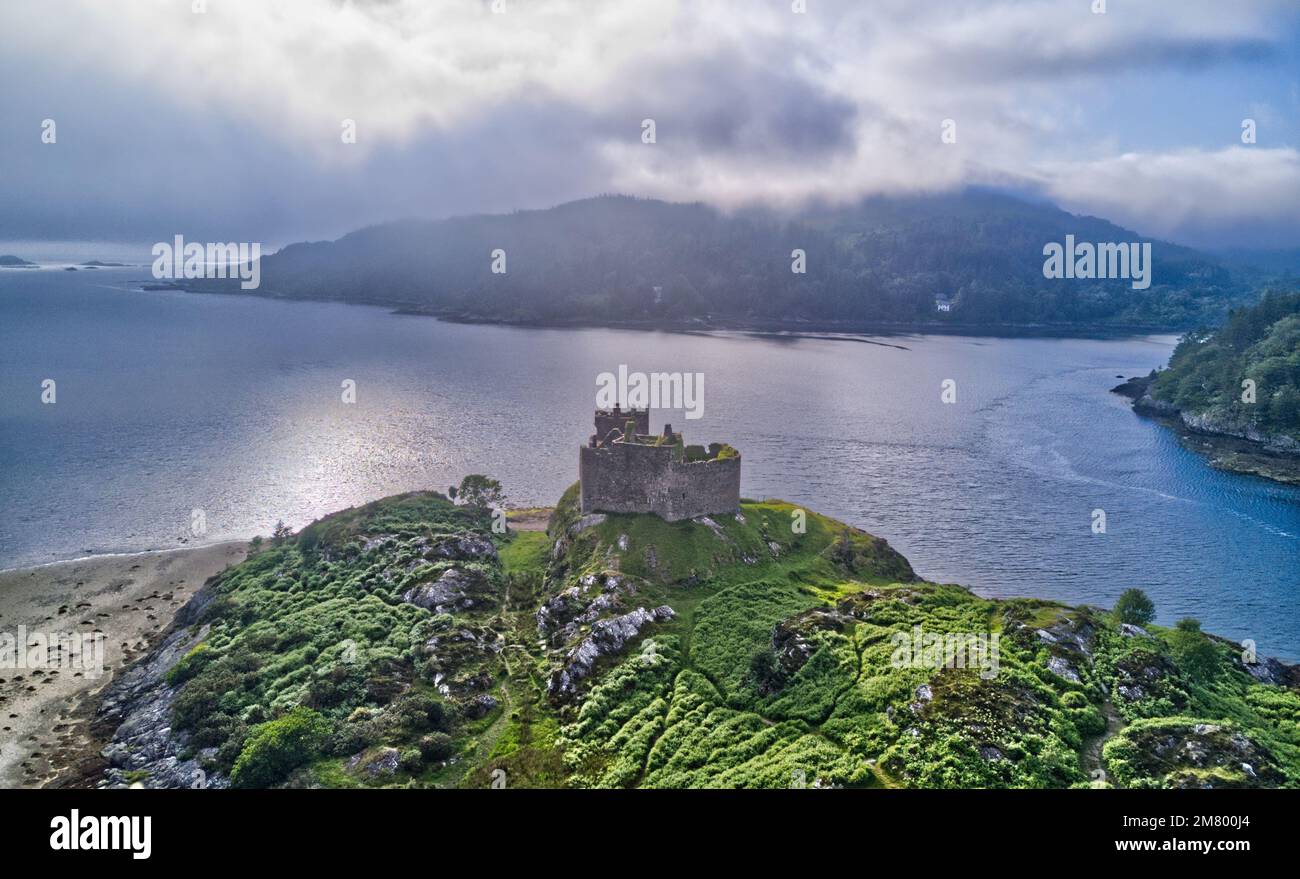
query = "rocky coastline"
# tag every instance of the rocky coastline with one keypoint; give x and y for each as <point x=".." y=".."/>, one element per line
<point x="1233" y="448"/>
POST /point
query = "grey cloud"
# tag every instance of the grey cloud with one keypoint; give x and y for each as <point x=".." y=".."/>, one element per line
<point x="486" y="114"/>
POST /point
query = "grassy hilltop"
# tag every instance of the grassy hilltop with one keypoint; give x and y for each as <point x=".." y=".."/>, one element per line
<point x="404" y="643"/>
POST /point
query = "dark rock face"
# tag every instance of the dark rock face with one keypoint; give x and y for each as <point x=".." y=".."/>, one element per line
<point x="1147" y="675"/>
<point x="561" y="617"/>
<point x="453" y="655"/>
<point x="455" y="589"/>
<point x="376" y="764"/>
<point x="607" y="637"/>
<point x="1272" y="671"/>
<point x="144" y="749"/>
<point x="1138" y="389"/>
<point x="478" y="706"/>
<point x="1205" y="755"/>
<point x="792" y="639"/>
<point x="462" y="547"/>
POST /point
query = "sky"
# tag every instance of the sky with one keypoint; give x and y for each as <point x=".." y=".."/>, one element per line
<point x="224" y="119"/>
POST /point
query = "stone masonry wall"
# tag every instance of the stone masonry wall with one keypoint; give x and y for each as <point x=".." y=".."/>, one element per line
<point x="629" y="478"/>
<point x="607" y="420"/>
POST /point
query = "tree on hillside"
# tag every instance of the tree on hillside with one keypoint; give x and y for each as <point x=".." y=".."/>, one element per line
<point x="281" y="533"/>
<point x="1193" y="651"/>
<point x="480" y="492"/>
<point x="1135" y="607"/>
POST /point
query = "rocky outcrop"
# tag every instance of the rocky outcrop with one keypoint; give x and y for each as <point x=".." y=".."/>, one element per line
<point x="793" y="639"/>
<point x="455" y="589"/>
<point x="1200" y="755"/>
<point x="378" y="763"/>
<point x="462" y="547"/>
<point x="144" y="749"/>
<point x="1230" y="445"/>
<point x="607" y="637"/>
<point x="561" y="617"/>
<point x="1205" y="422"/>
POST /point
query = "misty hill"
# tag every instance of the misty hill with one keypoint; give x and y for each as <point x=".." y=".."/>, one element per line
<point x="619" y="259"/>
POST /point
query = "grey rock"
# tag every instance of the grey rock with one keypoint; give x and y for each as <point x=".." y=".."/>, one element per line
<point x="139" y="702"/>
<point x="383" y="761"/>
<point x="607" y="637"/>
<point x="455" y="589"/>
<point x="1059" y="666"/>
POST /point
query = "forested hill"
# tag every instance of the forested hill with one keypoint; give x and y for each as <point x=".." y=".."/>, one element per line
<point x="1207" y="375"/>
<point x="617" y="259"/>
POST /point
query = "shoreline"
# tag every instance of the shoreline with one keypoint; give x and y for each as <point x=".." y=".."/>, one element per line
<point x="126" y="553"/>
<point x="60" y="738"/>
<point x="1230" y="454"/>
<point x="790" y="328"/>
<point x="46" y="713"/>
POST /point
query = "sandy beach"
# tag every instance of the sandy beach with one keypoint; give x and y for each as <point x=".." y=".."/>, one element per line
<point x="131" y="599"/>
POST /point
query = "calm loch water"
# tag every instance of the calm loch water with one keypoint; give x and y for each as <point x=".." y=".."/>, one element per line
<point x="169" y="402"/>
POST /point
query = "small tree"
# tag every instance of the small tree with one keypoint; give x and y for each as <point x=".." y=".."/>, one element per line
<point x="481" y="492"/>
<point x="765" y="671"/>
<point x="281" y="533"/>
<point x="1135" y="607"/>
<point x="1193" y="651"/>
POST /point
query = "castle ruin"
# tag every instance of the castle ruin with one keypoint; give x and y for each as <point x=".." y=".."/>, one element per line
<point x="626" y="469"/>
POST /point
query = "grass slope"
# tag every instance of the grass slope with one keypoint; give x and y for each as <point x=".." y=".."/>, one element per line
<point x="749" y="650"/>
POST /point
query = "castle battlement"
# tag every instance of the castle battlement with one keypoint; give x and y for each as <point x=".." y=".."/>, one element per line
<point x="626" y="469"/>
<point x="617" y="419"/>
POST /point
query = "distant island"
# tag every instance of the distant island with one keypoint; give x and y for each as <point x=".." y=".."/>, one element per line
<point x="96" y="264"/>
<point x="971" y="262"/>
<point x="1234" y="393"/>
<point x="14" y="262"/>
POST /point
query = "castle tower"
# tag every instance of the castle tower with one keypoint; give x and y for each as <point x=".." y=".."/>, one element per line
<point x="625" y="469"/>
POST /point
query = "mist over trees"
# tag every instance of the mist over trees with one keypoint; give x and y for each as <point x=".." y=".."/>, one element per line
<point x="616" y="258"/>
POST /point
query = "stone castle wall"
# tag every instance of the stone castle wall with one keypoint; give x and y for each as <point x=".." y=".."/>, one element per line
<point x="631" y="478"/>
<point x="608" y="419"/>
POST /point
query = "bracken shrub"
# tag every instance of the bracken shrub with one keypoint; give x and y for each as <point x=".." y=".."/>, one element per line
<point x="276" y="748"/>
<point x="436" y="746"/>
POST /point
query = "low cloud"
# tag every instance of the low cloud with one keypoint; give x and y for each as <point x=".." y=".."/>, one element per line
<point x="1190" y="195"/>
<point x="232" y="118"/>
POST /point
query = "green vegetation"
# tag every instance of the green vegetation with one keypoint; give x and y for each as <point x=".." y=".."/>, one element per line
<point x="479" y="491"/>
<point x="1135" y="608"/>
<point x="403" y="643"/>
<point x="1192" y="651"/>
<point x="277" y="747"/>
<point x="1259" y="344"/>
